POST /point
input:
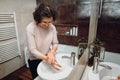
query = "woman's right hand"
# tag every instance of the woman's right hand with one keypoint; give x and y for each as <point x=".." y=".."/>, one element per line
<point x="51" y="58"/>
<point x="54" y="65"/>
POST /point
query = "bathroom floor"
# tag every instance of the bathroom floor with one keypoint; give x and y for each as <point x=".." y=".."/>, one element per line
<point x="21" y="74"/>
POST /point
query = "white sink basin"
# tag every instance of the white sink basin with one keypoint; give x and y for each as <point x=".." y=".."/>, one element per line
<point x="46" y="72"/>
<point x="105" y="74"/>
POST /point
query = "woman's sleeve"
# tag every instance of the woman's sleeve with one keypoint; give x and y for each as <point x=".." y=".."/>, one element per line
<point x="55" y="39"/>
<point x="31" y="44"/>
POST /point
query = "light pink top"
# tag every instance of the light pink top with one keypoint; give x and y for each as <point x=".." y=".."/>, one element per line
<point x="39" y="39"/>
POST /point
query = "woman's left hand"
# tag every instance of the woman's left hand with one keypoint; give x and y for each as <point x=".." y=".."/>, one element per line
<point x="51" y="58"/>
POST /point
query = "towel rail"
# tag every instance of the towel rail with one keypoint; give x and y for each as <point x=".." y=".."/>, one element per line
<point x="9" y="42"/>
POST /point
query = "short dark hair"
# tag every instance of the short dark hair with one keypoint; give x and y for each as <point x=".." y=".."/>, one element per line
<point x="44" y="10"/>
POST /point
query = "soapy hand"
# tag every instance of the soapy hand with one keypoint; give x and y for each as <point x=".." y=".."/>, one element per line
<point x="57" y="66"/>
<point x="118" y="77"/>
<point x="51" y="58"/>
<point x="52" y="61"/>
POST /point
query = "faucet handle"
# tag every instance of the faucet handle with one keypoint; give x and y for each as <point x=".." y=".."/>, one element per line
<point x="73" y="54"/>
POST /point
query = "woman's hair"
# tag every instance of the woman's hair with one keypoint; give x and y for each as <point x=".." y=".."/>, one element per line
<point x="42" y="11"/>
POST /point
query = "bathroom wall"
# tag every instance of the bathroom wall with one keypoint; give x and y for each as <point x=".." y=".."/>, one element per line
<point x="108" y="32"/>
<point x="112" y="57"/>
<point x="23" y="10"/>
<point x="62" y="48"/>
<point x="68" y="15"/>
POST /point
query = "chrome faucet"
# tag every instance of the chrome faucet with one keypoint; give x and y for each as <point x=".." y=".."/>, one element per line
<point x="105" y="66"/>
<point x="73" y="58"/>
<point x="96" y="64"/>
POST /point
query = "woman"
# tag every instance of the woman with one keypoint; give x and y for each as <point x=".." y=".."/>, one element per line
<point x="41" y="34"/>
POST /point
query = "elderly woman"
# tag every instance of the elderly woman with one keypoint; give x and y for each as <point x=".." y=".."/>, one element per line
<point x="41" y="35"/>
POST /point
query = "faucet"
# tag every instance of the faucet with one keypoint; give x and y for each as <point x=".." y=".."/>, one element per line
<point x="96" y="64"/>
<point x="106" y="66"/>
<point x="73" y="58"/>
<point x="97" y="59"/>
<point x="97" y="52"/>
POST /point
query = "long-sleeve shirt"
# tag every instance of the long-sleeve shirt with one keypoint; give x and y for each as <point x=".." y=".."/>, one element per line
<point x="39" y="40"/>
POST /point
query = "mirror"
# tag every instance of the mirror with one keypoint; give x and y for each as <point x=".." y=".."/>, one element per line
<point x="108" y="25"/>
<point x="107" y="29"/>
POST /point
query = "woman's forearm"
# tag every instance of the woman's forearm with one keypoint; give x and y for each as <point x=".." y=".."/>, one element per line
<point x="38" y="54"/>
<point x="54" y="49"/>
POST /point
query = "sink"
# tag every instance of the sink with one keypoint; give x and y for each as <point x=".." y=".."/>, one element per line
<point x="105" y="74"/>
<point x="46" y="72"/>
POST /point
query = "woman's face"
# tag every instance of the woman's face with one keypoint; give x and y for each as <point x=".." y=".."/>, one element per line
<point x="45" y="22"/>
